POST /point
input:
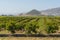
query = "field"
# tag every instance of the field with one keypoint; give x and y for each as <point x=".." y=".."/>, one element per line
<point x="29" y="38"/>
<point x="29" y="24"/>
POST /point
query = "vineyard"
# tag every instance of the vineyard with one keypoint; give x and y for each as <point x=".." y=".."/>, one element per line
<point x="30" y="24"/>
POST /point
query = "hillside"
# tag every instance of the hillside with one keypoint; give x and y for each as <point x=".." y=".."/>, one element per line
<point x="34" y="12"/>
<point x="53" y="11"/>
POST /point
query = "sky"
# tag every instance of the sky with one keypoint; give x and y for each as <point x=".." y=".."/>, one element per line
<point x="23" y="6"/>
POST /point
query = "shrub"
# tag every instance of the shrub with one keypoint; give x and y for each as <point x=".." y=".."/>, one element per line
<point x="11" y="27"/>
<point x="51" y="28"/>
<point x="31" y="28"/>
<point x="19" y="26"/>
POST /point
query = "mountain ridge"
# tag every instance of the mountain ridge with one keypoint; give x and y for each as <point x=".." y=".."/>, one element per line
<point x="53" y="11"/>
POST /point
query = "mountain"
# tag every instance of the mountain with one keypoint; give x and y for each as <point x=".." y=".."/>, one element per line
<point x="49" y="12"/>
<point x="33" y="12"/>
<point x="53" y="11"/>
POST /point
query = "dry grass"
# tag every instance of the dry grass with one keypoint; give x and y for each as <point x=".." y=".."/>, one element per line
<point x="29" y="38"/>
